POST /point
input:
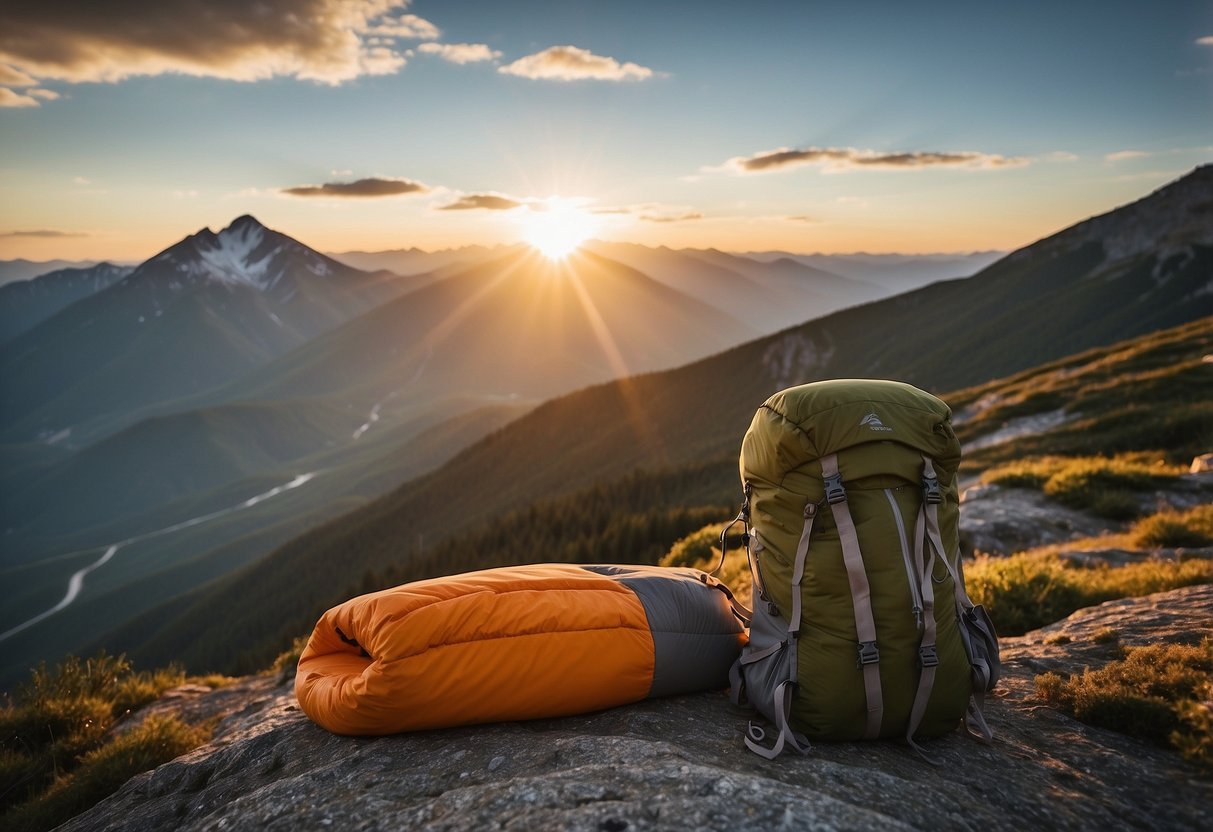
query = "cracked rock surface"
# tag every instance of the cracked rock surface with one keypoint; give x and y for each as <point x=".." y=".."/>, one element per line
<point x="679" y="763"/>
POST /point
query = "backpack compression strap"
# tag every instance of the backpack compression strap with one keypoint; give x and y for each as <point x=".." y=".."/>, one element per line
<point x="861" y="594"/>
<point x="975" y="721"/>
<point x="924" y="559"/>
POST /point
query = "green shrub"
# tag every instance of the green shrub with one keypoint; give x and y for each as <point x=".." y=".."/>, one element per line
<point x="1156" y="693"/>
<point x="1029" y="590"/>
<point x="1175" y="529"/>
<point x="103" y="770"/>
<point x="61" y="718"/>
<point x="284" y="665"/>
<point x="701" y="550"/>
<point x="1103" y="485"/>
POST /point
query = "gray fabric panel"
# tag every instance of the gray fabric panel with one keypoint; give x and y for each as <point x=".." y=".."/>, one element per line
<point x="694" y="630"/>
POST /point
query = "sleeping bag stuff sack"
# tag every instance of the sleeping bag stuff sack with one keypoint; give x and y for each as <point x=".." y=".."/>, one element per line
<point x="516" y="643"/>
<point x="861" y="626"/>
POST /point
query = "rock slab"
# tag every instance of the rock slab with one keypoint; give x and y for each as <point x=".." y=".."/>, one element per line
<point x="679" y="763"/>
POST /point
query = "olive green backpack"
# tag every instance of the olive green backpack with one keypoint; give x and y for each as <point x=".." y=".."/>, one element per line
<point x="861" y="626"/>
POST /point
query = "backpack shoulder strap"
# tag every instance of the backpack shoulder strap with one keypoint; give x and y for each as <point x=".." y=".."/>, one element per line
<point x="861" y="594"/>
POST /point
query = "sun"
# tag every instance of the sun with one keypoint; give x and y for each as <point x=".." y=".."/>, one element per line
<point x="557" y="226"/>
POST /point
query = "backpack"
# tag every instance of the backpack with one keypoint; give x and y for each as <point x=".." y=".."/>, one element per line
<point x="861" y="627"/>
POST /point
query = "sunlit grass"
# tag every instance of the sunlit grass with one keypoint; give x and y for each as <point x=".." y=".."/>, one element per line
<point x="1161" y="693"/>
<point x="59" y="753"/>
<point x="1029" y="590"/>
<point x="1103" y="485"/>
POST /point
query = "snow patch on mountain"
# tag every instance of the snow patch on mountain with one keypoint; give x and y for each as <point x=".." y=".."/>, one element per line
<point x="245" y="253"/>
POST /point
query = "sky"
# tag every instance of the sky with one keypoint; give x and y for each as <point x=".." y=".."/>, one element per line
<point x="798" y="126"/>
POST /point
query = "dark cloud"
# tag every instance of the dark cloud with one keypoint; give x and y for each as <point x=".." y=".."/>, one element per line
<point x="851" y="158"/>
<point x="322" y="40"/>
<point x="489" y="202"/>
<point x="43" y="232"/>
<point x="374" y="187"/>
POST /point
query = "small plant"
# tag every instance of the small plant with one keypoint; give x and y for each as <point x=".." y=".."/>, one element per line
<point x="1029" y="590"/>
<point x="1175" y="529"/>
<point x="1106" y="635"/>
<point x="1103" y="485"/>
<point x="103" y="770"/>
<point x="284" y="666"/>
<point x="701" y="550"/>
<point x="1159" y="693"/>
<point x="59" y="725"/>
<point x="1060" y="638"/>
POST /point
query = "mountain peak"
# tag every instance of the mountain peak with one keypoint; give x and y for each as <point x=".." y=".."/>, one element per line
<point x="244" y="253"/>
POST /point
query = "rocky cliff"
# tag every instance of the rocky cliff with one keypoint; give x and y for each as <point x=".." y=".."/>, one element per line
<point x="679" y="763"/>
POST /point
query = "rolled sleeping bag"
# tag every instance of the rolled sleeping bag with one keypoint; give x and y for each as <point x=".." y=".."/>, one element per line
<point x="514" y="643"/>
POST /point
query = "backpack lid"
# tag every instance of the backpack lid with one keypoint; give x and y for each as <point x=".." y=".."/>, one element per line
<point x="802" y="424"/>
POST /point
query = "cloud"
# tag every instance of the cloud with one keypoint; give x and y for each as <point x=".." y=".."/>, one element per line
<point x="8" y="98"/>
<point x="686" y="217"/>
<point x="800" y="218"/>
<point x="328" y="41"/>
<point x="1123" y="155"/>
<point x="1060" y="156"/>
<point x="11" y="77"/>
<point x="43" y="232"/>
<point x="460" y="53"/>
<point x="81" y="180"/>
<point x="571" y="63"/>
<point x="488" y="202"/>
<point x="373" y="187"/>
<point x="849" y="158"/>
<point x="1207" y="40"/>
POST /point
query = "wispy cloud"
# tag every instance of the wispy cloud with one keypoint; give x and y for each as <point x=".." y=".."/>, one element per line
<point x="686" y="216"/>
<point x="11" y="77"/>
<point x="460" y="53"/>
<point x="49" y="233"/>
<point x="487" y="202"/>
<point x="372" y="187"/>
<point x="571" y="63"/>
<point x="9" y="98"/>
<point x="1060" y="156"/>
<point x="1207" y="40"/>
<point x="801" y="218"/>
<point x="849" y="158"/>
<point x="1123" y="155"/>
<point x="328" y="41"/>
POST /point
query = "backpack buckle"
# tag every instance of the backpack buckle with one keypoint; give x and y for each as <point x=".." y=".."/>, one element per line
<point x="928" y="656"/>
<point x="868" y="654"/>
<point x="835" y="493"/>
<point x="930" y="490"/>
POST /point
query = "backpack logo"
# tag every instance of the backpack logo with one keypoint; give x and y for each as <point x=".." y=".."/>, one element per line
<point x="873" y="422"/>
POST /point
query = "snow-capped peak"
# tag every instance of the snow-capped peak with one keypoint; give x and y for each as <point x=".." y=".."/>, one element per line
<point x="245" y="253"/>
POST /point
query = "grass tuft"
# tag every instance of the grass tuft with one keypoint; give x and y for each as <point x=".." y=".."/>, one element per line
<point x="58" y="754"/>
<point x="701" y="550"/>
<point x="1160" y="693"/>
<point x="1175" y="529"/>
<point x="1106" y="486"/>
<point x="1029" y="590"/>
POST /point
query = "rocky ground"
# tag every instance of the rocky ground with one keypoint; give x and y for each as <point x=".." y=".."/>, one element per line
<point x="679" y="763"/>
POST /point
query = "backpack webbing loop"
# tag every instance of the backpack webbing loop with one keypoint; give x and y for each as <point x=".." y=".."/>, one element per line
<point x="861" y="596"/>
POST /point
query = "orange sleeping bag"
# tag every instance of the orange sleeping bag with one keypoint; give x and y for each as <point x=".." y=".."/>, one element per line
<point x="515" y="643"/>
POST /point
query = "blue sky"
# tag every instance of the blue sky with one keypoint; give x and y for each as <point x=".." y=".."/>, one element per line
<point x="911" y="127"/>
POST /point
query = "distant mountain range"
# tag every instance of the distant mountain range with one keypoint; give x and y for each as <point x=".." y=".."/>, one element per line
<point x="21" y="269"/>
<point x="26" y="303"/>
<point x="1103" y="280"/>
<point x="200" y="313"/>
